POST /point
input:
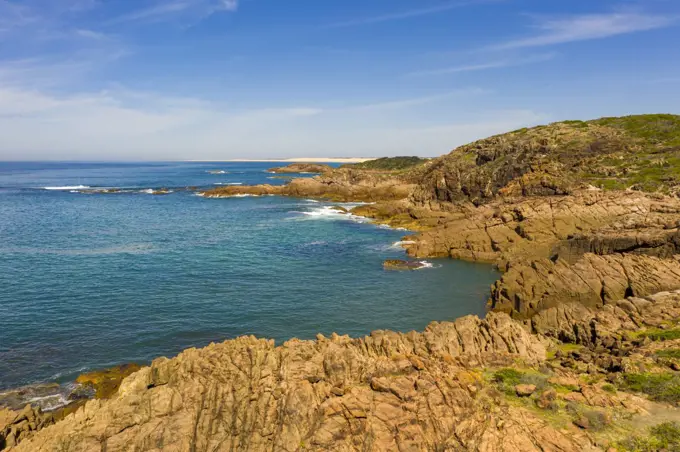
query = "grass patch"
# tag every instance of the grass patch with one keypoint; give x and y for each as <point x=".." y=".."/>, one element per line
<point x="662" y="335"/>
<point x="664" y="436"/>
<point x="669" y="353"/>
<point x="662" y="387"/>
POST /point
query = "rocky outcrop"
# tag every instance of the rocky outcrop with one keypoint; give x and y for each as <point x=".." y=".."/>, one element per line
<point x="387" y="391"/>
<point x="343" y="184"/>
<point x="301" y="168"/>
<point x="391" y="391"/>
<point x="528" y="288"/>
<point x="590" y="247"/>
<point x="606" y="325"/>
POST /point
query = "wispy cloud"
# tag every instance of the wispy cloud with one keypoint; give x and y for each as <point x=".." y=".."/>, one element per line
<point x="589" y="26"/>
<point x="408" y="14"/>
<point x="90" y="34"/>
<point x="165" y="10"/>
<point x="496" y="64"/>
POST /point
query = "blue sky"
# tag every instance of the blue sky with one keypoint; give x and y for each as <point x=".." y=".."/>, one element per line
<point x="220" y="79"/>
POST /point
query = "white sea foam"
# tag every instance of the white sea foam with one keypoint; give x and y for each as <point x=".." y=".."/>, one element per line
<point x="401" y="243"/>
<point x="217" y="172"/>
<point x="311" y="200"/>
<point x="68" y="187"/>
<point x="151" y="191"/>
<point x="426" y="264"/>
<point x="323" y="212"/>
<point x="331" y="213"/>
<point x="228" y="183"/>
<point x="49" y="402"/>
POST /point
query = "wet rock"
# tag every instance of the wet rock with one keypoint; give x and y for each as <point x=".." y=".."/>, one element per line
<point x="396" y="264"/>
<point x="105" y="383"/>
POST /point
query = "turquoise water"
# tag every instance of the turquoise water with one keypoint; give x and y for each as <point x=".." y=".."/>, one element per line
<point x="93" y="280"/>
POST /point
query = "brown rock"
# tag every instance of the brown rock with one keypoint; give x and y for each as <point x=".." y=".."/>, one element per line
<point x="525" y="390"/>
<point x="396" y="264"/>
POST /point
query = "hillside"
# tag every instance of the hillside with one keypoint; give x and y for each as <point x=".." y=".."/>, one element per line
<point x="634" y="152"/>
<point x="389" y="163"/>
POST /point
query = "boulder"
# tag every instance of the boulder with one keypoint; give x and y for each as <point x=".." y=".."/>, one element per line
<point x="523" y="390"/>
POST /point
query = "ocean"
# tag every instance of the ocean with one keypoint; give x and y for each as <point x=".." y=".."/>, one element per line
<point x="90" y="280"/>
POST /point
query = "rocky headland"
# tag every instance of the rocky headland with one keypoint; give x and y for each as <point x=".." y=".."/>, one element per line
<point x="580" y="349"/>
<point x="298" y="168"/>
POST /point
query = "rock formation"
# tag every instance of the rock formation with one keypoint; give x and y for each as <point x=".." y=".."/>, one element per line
<point x="459" y="385"/>
<point x="344" y="184"/>
<point x="301" y="168"/>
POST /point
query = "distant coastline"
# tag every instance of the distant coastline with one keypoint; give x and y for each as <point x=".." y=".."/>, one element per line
<point x="298" y="160"/>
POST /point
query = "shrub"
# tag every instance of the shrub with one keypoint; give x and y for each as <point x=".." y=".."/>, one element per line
<point x="508" y="378"/>
<point x="609" y="388"/>
<point x="664" y="436"/>
<point x="669" y="353"/>
<point x="663" y="387"/>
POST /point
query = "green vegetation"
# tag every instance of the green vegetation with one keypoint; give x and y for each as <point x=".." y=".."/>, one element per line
<point x="661" y="129"/>
<point x="609" y="388"/>
<point x="664" y="436"/>
<point x="389" y="163"/>
<point x="669" y="353"/>
<point x="662" y="387"/>
<point x="506" y="379"/>
<point x="662" y="335"/>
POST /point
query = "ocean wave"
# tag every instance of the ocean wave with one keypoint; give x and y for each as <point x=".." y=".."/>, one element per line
<point x="332" y="213"/>
<point x="311" y="200"/>
<point x="151" y="191"/>
<point x="426" y="264"/>
<point x="228" y="183"/>
<point x="68" y="187"/>
<point x="49" y="402"/>
<point x="217" y="172"/>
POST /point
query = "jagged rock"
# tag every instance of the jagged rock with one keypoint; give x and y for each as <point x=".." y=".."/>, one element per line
<point x="399" y="391"/>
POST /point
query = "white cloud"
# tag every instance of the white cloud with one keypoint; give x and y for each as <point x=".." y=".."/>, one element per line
<point x="589" y="26"/>
<point x="497" y="64"/>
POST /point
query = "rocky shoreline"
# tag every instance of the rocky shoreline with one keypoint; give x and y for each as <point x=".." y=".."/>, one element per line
<point x="580" y="349"/>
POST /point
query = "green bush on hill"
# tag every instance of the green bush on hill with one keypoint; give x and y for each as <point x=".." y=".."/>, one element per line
<point x="390" y="163"/>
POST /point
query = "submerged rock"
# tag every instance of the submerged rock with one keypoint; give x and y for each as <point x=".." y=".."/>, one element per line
<point x="397" y="264"/>
<point x="105" y="382"/>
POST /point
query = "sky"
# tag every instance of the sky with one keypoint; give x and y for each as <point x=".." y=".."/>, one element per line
<point x="221" y="79"/>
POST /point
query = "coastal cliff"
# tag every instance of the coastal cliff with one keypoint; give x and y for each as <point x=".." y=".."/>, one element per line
<point x="580" y="349"/>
